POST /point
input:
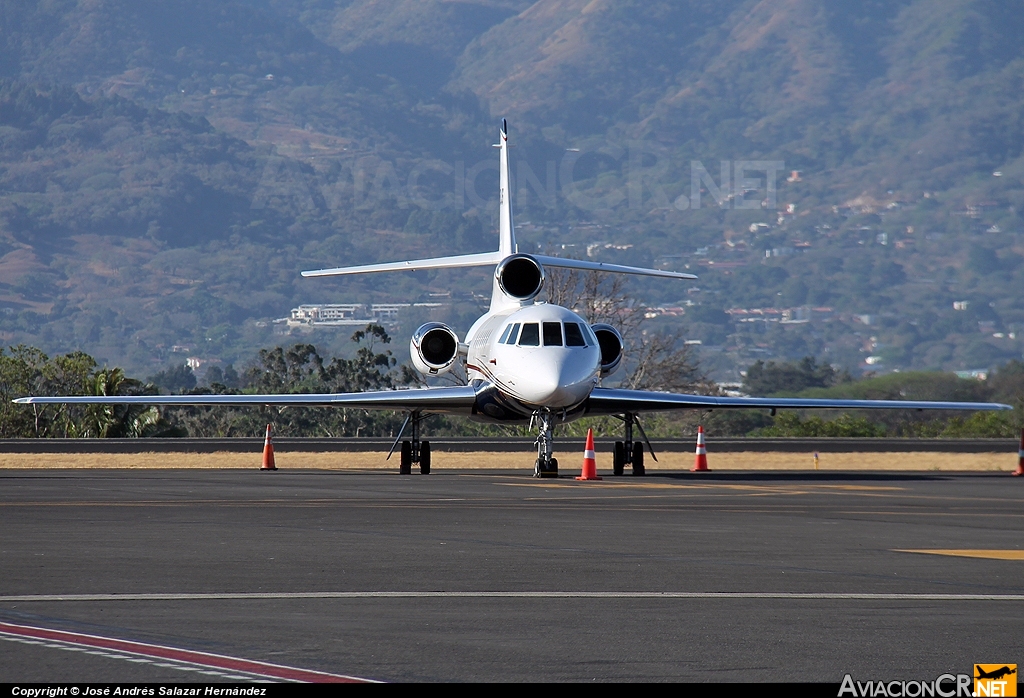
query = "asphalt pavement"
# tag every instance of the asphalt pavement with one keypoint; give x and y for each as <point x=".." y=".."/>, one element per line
<point x="496" y="576"/>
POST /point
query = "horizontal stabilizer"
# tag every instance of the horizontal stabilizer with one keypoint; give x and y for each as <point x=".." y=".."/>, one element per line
<point x="463" y="260"/>
<point x="602" y="266"/>
<point x="492" y="258"/>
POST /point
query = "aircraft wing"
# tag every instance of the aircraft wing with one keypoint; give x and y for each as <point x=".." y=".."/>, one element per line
<point x="453" y="400"/>
<point x="616" y="401"/>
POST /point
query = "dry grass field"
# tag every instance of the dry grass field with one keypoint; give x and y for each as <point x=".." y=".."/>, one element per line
<point x="568" y="463"/>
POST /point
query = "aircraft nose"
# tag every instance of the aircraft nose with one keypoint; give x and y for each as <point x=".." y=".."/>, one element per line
<point x="543" y="383"/>
<point x="556" y="384"/>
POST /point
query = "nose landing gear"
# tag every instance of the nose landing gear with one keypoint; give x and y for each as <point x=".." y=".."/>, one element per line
<point x="546" y="465"/>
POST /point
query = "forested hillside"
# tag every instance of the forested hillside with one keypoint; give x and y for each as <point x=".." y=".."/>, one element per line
<point x="167" y="169"/>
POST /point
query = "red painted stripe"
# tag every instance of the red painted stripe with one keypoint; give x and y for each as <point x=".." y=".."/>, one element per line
<point x="215" y="661"/>
<point x="502" y="388"/>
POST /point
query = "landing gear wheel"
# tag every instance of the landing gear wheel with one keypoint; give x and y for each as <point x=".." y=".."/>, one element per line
<point x="546" y="469"/>
<point x="405" y="464"/>
<point x="619" y="458"/>
<point x="424" y="458"/>
<point x="638" y="459"/>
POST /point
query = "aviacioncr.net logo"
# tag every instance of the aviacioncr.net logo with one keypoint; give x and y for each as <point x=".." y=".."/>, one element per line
<point x="995" y="680"/>
<point x="945" y="686"/>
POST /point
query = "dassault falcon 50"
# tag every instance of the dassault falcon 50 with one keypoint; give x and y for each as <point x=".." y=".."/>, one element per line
<point x="525" y="360"/>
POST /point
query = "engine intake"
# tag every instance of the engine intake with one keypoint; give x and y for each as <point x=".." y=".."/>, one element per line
<point x="520" y="276"/>
<point x="434" y="348"/>
<point x="610" y="341"/>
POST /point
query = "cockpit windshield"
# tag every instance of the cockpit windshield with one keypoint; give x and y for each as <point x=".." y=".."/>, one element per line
<point x="530" y="336"/>
<point x="552" y="334"/>
<point x="575" y="334"/>
<point x="510" y="334"/>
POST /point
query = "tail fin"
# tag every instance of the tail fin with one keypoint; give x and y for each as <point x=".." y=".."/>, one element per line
<point x="506" y="240"/>
<point x="506" y="231"/>
<point x="506" y="247"/>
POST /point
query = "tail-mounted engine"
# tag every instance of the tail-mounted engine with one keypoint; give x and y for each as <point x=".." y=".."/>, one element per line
<point x="610" y="341"/>
<point x="520" y="276"/>
<point x="434" y="348"/>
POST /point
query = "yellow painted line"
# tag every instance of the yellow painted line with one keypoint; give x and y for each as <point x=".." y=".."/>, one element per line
<point x="755" y="489"/>
<point x="657" y="486"/>
<point x="858" y="488"/>
<point x="985" y="554"/>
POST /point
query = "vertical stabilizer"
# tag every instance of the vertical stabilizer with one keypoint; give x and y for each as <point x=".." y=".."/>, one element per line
<point x="506" y="231"/>
<point x="507" y="235"/>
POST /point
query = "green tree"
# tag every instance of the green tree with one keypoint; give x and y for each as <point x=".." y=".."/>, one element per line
<point x="117" y="421"/>
<point x="302" y="369"/>
<point x="174" y="379"/>
<point x="772" y="378"/>
<point x="28" y="371"/>
<point x="790" y="424"/>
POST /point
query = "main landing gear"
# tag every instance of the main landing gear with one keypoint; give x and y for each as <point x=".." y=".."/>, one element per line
<point x="629" y="451"/>
<point x="413" y="450"/>
<point x="546" y="465"/>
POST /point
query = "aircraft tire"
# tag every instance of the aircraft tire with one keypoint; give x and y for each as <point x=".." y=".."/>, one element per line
<point x="549" y="469"/>
<point x="619" y="458"/>
<point x="405" y="464"/>
<point x="424" y="458"/>
<point x="638" y="459"/>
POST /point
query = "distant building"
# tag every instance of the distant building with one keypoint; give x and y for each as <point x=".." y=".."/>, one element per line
<point x="348" y="314"/>
<point x="978" y="374"/>
<point x="796" y="316"/>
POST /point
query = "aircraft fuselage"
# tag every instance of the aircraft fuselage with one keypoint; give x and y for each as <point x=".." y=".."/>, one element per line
<point x="539" y="356"/>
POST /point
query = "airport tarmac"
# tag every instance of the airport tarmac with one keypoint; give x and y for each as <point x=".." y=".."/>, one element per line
<point x="494" y="576"/>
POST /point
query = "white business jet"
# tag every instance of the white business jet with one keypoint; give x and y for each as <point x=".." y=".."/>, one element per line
<point x="526" y="361"/>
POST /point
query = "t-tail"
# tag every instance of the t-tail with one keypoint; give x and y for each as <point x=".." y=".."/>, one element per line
<point x="506" y="231"/>
<point x="518" y="277"/>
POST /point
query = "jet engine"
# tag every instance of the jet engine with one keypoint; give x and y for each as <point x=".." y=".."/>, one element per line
<point x="434" y="348"/>
<point x="520" y="276"/>
<point x="610" y="341"/>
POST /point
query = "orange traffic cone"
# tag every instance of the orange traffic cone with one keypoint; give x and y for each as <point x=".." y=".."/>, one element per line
<point x="700" y="463"/>
<point x="1020" y="456"/>
<point x="589" y="462"/>
<point x="268" y="453"/>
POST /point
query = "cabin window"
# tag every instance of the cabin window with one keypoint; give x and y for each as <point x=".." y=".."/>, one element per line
<point x="504" y="335"/>
<point x="573" y="335"/>
<point x="530" y="336"/>
<point x="513" y="334"/>
<point x="552" y="334"/>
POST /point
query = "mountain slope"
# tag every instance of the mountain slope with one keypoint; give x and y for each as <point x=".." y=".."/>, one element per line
<point x="166" y="170"/>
